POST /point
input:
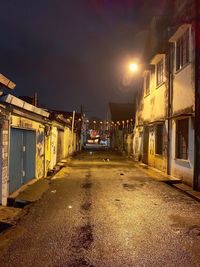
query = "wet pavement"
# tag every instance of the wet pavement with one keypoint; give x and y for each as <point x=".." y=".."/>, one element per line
<point x="102" y="210"/>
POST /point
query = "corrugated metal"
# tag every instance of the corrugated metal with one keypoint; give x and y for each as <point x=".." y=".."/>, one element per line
<point x="16" y="156"/>
<point x="29" y="142"/>
<point x="22" y="157"/>
<point x="24" y="105"/>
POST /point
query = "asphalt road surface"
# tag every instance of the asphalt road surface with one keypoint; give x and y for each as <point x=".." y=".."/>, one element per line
<point x="103" y="211"/>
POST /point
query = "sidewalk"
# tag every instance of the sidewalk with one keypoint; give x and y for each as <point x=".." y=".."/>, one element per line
<point x="28" y="193"/>
<point x="170" y="180"/>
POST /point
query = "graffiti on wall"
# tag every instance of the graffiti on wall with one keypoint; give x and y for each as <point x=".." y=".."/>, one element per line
<point x="40" y="153"/>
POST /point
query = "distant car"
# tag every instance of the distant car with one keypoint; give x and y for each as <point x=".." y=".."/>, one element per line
<point x="103" y="142"/>
<point x="93" y="141"/>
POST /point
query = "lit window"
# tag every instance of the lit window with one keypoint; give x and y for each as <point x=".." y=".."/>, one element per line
<point x="182" y="139"/>
<point x="182" y="50"/>
<point x="160" y="72"/>
<point x="159" y="139"/>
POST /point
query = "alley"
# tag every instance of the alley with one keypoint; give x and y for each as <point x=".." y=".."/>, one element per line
<point x="102" y="210"/>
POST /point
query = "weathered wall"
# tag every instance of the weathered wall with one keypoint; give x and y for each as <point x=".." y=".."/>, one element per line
<point x="154" y="104"/>
<point x="137" y="143"/>
<point x="155" y="160"/>
<point x="181" y="168"/>
<point x="47" y="153"/>
<point x="28" y="124"/>
<point x="66" y="142"/>
<point x="183" y="102"/>
<point x="54" y="140"/>
<point x="4" y="161"/>
<point x="183" y="90"/>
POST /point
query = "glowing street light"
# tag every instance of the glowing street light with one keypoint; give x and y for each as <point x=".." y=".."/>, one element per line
<point x="133" y="67"/>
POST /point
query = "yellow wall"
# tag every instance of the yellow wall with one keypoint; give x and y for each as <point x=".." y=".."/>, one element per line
<point x="154" y="104"/>
<point x="151" y="108"/>
<point x="54" y="140"/>
<point x="28" y="124"/>
<point x="47" y="153"/>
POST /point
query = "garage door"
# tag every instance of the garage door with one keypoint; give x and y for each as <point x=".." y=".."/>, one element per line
<point x="22" y="158"/>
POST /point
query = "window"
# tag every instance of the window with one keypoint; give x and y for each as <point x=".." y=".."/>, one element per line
<point x="182" y="50"/>
<point x="182" y="139"/>
<point x="160" y="72"/>
<point x="147" y="84"/>
<point x="159" y="139"/>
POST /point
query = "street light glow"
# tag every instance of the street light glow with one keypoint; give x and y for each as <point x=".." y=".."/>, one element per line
<point x="133" y="67"/>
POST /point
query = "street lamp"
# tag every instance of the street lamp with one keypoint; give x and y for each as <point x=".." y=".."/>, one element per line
<point x="133" y="67"/>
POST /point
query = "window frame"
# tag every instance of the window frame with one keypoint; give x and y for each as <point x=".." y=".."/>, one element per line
<point x="181" y="143"/>
<point x="183" y="50"/>
<point x="160" y="72"/>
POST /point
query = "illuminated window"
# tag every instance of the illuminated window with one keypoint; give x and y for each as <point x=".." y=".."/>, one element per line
<point x="159" y="139"/>
<point x="182" y="50"/>
<point x="182" y="139"/>
<point x="160" y="72"/>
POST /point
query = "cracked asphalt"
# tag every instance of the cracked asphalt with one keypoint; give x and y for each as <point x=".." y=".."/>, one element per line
<point x="105" y="213"/>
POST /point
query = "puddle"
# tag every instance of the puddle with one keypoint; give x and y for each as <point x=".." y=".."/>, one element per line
<point x="4" y="226"/>
<point x="177" y="199"/>
<point x="187" y="225"/>
<point x="131" y="187"/>
<point x="86" y="185"/>
<point x="79" y="262"/>
<point x="86" y="206"/>
<point x="83" y="237"/>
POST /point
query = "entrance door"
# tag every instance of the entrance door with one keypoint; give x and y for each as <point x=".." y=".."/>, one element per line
<point x="22" y="158"/>
<point x="145" y="145"/>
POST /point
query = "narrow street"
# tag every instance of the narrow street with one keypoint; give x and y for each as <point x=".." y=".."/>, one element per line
<point x="101" y="210"/>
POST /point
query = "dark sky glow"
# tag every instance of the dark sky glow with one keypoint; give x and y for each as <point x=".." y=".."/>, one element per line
<point x="70" y="51"/>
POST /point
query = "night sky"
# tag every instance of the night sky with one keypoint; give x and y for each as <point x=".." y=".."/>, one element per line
<point x="72" y="51"/>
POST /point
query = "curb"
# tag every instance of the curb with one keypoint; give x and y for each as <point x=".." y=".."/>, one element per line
<point x="170" y="180"/>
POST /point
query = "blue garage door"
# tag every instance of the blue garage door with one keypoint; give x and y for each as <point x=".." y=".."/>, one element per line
<point x="22" y="158"/>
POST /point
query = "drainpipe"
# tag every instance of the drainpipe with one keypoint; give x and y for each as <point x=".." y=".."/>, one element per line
<point x="169" y="105"/>
<point x="196" y="181"/>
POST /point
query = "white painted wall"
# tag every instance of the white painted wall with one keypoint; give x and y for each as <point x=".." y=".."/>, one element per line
<point x="183" y="89"/>
<point x="180" y="168"/>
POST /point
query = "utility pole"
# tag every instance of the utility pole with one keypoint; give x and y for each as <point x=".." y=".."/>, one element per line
<point x="35" y="99"/>
<point x="196" y="184"/>
<point x="73" y="119"/>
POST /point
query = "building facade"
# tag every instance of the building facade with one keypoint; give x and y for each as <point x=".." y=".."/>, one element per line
<point x="164" y="132"/>
<point x="32" y="144"/>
